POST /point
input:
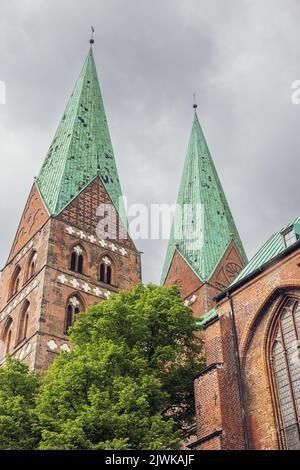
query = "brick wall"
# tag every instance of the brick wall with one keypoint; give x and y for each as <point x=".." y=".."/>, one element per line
<point x="255" y="307"/>
<point x="53" y="282"/>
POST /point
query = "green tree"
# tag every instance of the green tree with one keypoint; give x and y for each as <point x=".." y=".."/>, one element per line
<point x="18" y="390"/>
<point x="128" y="382"/>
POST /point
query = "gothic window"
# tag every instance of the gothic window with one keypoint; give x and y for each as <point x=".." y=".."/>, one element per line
<point x="15" y="282"/>
<point x="5" y="340"/>
<point x="77" y="258"/>
<point x="107" y="271"/>
<point x="285" y="361"/>
<point x="73" y="308"/>
<point x="31" y="269"/>
<point x="23" y="323"/>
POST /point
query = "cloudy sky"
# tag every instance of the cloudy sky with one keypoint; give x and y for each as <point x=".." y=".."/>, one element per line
<point x="240" y="56"/>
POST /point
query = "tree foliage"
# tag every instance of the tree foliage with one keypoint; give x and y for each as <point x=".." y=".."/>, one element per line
<point x="128" y="381"/>
<point x="18" y="390"/>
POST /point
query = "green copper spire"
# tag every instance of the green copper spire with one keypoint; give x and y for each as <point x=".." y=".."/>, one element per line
<point x="206" y="227"/>
<point x="81" y="148"/>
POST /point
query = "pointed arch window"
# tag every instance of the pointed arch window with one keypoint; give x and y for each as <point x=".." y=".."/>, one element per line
<point x="31" y="268"/>
<point x="6" y="337"/>
<point x="15" y="281"/>
<point x="73" y="308"/>
<point x="77" y="259"/>
<point x="23" y="323"/>
<point x="107" y="271"/>
<point x="285" y="365"/>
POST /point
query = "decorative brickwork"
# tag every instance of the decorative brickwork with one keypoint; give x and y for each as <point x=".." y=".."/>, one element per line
<point x="83" y="214"/>
<point x="199" y="296"/>
<point x="54" y="282"/>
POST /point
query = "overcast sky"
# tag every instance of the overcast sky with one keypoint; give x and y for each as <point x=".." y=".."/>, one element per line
<point x="240" y="56"/>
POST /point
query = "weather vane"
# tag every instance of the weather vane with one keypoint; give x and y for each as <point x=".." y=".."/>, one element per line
<point x="92" y="38"/>
<point x="195" y="106"/>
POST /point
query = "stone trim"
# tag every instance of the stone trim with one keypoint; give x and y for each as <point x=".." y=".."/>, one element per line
<point x="210" y="368"/>
<point x="205" y="439"/>
<point x="90" y="238"/>
<point x="82" y="286"/>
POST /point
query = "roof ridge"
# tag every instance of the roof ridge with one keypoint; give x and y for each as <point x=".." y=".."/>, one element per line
<point x="273" y="246"/>
<point x="75" y="116"/>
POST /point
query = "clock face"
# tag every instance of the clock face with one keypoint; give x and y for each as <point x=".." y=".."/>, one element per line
<point x="232" y="270"/>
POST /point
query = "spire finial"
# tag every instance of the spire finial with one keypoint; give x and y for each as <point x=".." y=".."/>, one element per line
<point x="92" y="37"/>
<point x="195" y="106"/>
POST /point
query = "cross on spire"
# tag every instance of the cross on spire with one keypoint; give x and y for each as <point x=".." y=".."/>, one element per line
<point x="92" y="37"/>
<point x="195" y="106"/>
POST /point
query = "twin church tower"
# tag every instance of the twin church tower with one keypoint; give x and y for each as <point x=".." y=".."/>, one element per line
<point x="60" y="264"/>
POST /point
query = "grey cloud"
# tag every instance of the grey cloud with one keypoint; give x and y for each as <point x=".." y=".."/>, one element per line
<point x="239" y="56"/>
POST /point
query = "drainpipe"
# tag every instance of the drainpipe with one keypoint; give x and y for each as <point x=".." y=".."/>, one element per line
<point x="239" y="374"/>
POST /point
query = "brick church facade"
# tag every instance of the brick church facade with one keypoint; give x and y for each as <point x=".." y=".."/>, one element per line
<point x="65" y="258"/>
<point x="60" y="261"/>
<point x="248" y="396"/>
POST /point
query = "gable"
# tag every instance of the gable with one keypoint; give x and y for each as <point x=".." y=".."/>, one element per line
<point x="82" y="211"/>
<point x="181" y="275"/>
<point x="34" y="216"/>
<point x="229" y="267"/>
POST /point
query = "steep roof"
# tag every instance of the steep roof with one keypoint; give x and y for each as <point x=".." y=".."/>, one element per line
<point x="81" y="148"/>
<point x="205" y="210"/>
<point x="270" y="250"/>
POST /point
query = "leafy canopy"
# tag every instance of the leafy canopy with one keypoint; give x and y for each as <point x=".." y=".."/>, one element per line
<point x="18" y="390"/>
<point x="128" y="382"/>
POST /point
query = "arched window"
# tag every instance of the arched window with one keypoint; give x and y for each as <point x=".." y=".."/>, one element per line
<point x="31" y="268"/>
<point x="73" y="308"/>
<point x="5" y="340"/>
<point x="15" y="282"/>
<point x="77" y="258"/>
<point x="107" y="271"/>
<point x="23" y="323"/>
<point x="285" y="365"/>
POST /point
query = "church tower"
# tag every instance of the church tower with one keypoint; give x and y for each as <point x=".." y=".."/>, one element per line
<point x="204" y="256"/>
<point x="205" y="252"/>
<point x="72" y="248"/>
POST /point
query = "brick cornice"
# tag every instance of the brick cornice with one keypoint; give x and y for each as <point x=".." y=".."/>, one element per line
<point x="210" y="368"/>
<point x="205" y="439"/>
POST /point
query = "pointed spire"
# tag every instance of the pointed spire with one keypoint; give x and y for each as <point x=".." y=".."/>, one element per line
<point x="81" y="148"/>
<point x="203" y="225"/>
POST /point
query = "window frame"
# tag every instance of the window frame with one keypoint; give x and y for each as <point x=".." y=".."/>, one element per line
<point x="5" y="334"/>
<point x="23" y="322"/>
<point x="71" y="311"/>
<point x="107" y="272"/>
<point x="15" y="279"/>
<point x="31" y="265"/>
<point x="77" y="260"/>
<point x="275" y="327"/>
